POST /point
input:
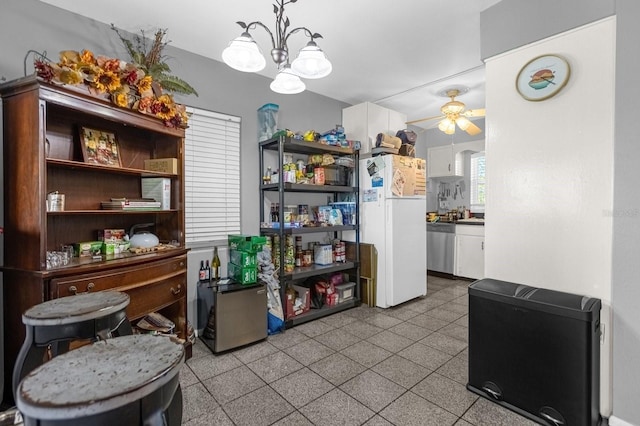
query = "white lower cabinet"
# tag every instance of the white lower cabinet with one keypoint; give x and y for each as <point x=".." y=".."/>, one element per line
<point x="469" y="252"/>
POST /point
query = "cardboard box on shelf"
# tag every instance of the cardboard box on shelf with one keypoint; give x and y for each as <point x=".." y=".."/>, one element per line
<point x="112" y="235"/>
<point x="291" y="308"/>
<point x="162" y="165"/>
<point x="159" y="189"/>
<point x="87" y="248"/>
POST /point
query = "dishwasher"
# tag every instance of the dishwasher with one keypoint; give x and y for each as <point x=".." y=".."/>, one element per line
<point x="440" y="246"/>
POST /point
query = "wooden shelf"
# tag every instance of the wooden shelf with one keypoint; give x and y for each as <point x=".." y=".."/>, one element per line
<point x="109" y="212"/>
<point x="105" y="169"/>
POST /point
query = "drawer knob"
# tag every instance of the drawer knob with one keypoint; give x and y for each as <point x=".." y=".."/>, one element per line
<point x="176" y="290"/>
<point x="73" y="289"/>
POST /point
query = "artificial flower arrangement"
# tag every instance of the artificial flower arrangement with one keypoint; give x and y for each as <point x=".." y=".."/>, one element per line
<point x="127" y="84"/>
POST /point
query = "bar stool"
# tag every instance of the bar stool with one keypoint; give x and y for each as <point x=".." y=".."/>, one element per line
<point x="52" y="325"/>
<point x="129" y="380"/>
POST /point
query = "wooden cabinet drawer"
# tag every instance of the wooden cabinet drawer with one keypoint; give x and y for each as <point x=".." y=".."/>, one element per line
<point x="150" y="286"/>
<point x="156" y="295"/>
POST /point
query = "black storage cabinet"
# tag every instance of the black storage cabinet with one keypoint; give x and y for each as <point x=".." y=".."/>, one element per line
<point x="535" y="351"/>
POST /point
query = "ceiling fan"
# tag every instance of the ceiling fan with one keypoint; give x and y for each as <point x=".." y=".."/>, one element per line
<point x="453" y="113"/>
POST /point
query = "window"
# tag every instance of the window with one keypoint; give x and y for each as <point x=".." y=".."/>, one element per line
<point x="212" y="177"/>
<point x="478" y="187"/>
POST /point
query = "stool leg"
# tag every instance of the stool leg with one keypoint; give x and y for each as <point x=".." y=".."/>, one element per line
<point x="164" y="406"/>
<point x="173" y="413"/>
<point x="29" y="357"/>
<point x="114" y="326"/>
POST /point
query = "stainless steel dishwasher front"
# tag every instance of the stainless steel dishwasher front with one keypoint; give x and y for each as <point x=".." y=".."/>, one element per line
<point x="440" y="247"/>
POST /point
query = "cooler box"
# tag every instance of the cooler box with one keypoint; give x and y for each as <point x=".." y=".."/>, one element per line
<point x="535" y="351"/>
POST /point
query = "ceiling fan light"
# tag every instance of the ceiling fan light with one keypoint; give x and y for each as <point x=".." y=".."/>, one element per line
<point x="311" y="62"/>
<point x="452" y="107"/>
<point x="447" y="125"/>
<point x="243" y="54"/>
<point x="287" y="83"/>
<point x="463" y="122"/>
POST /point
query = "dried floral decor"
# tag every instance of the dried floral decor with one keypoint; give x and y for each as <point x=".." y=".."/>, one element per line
<point x="136" y="85"/>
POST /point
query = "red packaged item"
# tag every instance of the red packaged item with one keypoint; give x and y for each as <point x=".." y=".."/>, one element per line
<point x="331" y="299"/>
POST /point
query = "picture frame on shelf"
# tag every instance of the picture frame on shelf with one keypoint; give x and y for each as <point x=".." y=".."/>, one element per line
<point x="99" y="147"/>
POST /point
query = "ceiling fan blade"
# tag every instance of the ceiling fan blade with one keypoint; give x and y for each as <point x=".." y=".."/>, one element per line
<point x="424" y="119"/>
<point x="480" y="112"/>
<point x="472" y="129"/>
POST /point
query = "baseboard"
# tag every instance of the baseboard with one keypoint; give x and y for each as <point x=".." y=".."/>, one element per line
<point x="615" y="421"/>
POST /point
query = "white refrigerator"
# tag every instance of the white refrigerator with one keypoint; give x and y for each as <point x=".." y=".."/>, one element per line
<point x="393" y="218"/>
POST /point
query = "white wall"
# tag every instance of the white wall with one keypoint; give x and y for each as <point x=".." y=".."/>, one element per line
<point x="550" y="174"/>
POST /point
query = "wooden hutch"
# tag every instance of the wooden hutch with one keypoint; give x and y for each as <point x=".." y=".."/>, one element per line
<point x="42" y="154"/>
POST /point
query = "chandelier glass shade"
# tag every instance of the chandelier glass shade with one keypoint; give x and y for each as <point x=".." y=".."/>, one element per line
<point x="243" y="53"/>
<point x="287" y="82"/>
<point x="311" y="62"/>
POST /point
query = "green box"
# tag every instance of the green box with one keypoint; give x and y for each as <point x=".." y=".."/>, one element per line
<point x="241" y="275"/>
<point x="250" y="243"/>
<point x="108" y="248"/>
<point x="243" y="259"/>
<point x="87" y="248"/>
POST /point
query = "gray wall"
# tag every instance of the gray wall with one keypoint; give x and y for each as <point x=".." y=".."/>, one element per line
<point x="513" y="23"/>
<point x="30" y="24"/>
<point x="626" y="220"/>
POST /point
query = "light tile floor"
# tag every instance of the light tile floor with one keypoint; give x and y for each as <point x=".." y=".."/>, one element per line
<point x="403" y="366"/>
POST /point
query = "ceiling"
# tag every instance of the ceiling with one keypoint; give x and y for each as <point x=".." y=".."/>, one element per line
<point x="401" y="55"/>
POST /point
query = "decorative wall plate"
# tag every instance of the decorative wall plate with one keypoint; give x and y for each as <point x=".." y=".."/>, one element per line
<point x="543" y="77"/>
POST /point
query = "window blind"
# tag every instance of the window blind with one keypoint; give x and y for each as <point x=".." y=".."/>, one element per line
<point x="212" y="177"/>
<point x="477" y="182"/>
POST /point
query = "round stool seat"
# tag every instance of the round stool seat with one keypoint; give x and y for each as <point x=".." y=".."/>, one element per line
<point x="129" y="378"/>
<point x="73" y="309"/>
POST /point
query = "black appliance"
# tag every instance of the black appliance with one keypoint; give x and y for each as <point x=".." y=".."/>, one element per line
<point x="535" y="351"/>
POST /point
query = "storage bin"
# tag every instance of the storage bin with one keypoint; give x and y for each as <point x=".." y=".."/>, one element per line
<point x="535" y="351"/>
<point x="267" y="121"/>
<point x="346" y="291"/>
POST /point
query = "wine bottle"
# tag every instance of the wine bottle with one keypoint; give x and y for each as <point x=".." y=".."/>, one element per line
<point x="201" y="273"/>
<point x="207" y="271"/>
<point x="215" y="264"/>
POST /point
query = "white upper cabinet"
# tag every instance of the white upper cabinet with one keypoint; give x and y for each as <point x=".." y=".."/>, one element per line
<point x="364" y="121"/>
<point x="444" y="161"/>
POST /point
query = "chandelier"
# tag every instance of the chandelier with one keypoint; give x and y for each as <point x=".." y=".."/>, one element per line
<point x="243" y="53"/>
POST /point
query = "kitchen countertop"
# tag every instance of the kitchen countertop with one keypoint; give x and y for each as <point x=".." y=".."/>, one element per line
<point x="470" y="221"/>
